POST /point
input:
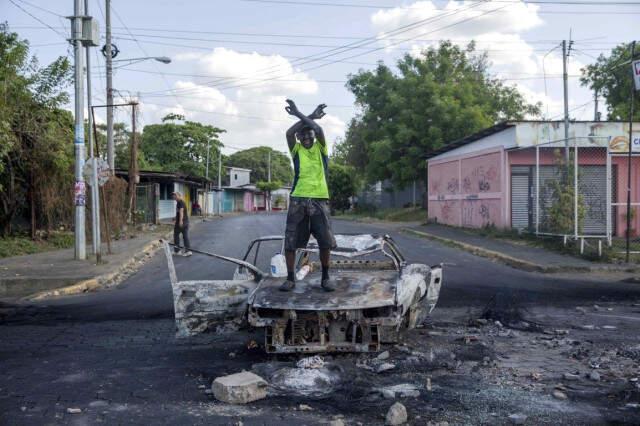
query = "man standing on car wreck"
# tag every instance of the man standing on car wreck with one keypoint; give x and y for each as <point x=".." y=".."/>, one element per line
<point x="309" y="205"/>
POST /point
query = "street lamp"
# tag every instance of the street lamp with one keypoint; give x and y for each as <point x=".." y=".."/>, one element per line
<point x="163" y="59"/>
<point x="110" y="144"/>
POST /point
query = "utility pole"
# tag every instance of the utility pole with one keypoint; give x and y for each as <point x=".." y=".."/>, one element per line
<point x="95" y="202"/>
<point x="79" y="188"/>
<point x="220" y="182"/>
<point x="206" y="185"/>
<point x="631" y="105"/>
<point x="133" y="165"/>
<point x="596" y="114"/>
<point x="110" y="146"/>
<point x="565" y="53"/>
<point x="269" y="180"/>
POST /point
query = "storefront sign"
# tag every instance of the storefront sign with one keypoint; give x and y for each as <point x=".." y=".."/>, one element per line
<point x="620" y="144"/>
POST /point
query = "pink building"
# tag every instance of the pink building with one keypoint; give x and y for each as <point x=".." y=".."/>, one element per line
<point x="489" y="178"/>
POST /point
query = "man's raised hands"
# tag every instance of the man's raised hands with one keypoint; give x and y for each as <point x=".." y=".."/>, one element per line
<point x="292" y="108"/>
<point x="318" y="113"/>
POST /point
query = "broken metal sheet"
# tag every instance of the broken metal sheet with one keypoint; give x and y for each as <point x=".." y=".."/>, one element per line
<point x="202" y="306"/>
<point x="354" y="290"/>
<point x="351" y="245"/>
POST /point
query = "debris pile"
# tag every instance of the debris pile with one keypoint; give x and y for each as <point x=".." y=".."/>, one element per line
<point x="396" y="415"/>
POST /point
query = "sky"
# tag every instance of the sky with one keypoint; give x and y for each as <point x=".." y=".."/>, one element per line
<point x="234" y="62"/>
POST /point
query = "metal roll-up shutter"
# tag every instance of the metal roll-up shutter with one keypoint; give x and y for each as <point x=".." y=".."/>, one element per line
<point x="520" y="197"/>
<point x="592" y="187"/>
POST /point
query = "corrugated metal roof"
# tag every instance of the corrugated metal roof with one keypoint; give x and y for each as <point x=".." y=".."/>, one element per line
<point x="471" y="138"/>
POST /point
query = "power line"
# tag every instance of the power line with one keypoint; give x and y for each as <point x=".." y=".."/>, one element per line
<point x="37" y="19"/>
<point x="248" y="117"/>
<point x="40" y="8"/>
<point x="166" y="82"/>
<point x="373" y="6"/>
<point x="218" y="76"/>
<point x="502" y="42"/>
<point x="384" y="47"/>
<point x="350" y="46"/>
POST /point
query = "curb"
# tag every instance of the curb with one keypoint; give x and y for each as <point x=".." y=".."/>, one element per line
<point x="107" y="280"/>
<point x="506" y="259"/>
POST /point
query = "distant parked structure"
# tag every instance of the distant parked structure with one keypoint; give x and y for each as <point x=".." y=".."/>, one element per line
<point x="384" y="195"/>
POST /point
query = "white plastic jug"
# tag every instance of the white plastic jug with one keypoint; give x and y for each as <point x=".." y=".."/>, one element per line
<point x="278" y="266"/>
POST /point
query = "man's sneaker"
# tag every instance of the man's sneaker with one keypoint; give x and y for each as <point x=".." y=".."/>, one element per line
<point x="288" y="285"/>
<point x="328" y="284"/>
<point x="186" y="253"/>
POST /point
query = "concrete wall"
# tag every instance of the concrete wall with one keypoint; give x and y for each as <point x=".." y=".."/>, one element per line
<point x="248" y="201"/>
<point x="468" y="190"/>
<point x="238" y="177"/>
<point x="167" y="209"/>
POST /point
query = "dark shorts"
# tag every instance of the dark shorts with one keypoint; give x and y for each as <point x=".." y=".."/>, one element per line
<point x="306" y="217"/>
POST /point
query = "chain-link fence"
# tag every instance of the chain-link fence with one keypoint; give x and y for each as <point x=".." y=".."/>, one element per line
<point x="565" y="188"/>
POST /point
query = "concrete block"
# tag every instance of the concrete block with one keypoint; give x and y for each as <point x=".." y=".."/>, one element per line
<point x="239" y="388"/>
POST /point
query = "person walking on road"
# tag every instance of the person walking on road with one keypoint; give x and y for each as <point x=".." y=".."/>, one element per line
<point x="308" y="212"/>
<point x="181" y="226"/>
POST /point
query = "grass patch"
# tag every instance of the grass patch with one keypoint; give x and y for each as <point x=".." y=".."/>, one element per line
<point x="21" y="244"/>
<point x="408" y="214"/>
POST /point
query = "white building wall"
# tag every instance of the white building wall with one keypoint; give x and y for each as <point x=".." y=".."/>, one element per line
<point x="238" y="177"/>
<point x="167" y="209"/>
<point x="505" y="138"/>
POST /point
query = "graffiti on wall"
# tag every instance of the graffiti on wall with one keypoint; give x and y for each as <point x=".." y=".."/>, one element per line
<point x="462" y="191"/>
<point x="481" y="174"/>
<point x="478" y="213"/>
<point x="443" y="179"/>
<point x="453" y="185"/>
<point x="446" y="211"/>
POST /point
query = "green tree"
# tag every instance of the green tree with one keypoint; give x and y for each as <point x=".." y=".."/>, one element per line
<point x="36" y="149"/>
<point x="443" y="95"/>
<point x="257" y="159"/>
<point x="611" y="77"/>
<point x="342" y="185"/>
<point x="178" y="145"/>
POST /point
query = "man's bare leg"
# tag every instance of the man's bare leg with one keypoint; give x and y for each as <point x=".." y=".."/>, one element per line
<point x="325" y="258"/>
<point x="290" y="283"/>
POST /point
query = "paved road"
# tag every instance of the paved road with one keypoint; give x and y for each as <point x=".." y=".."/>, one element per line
<point x="113" y="353"/>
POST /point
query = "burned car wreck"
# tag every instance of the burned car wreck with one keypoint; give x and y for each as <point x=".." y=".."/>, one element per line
<point x="378" y="295"/>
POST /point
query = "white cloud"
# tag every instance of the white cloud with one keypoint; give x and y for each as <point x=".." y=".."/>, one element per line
<point x="510" y="18"/>
<point x="245" y="95"/>
<point x="255" y="72"/>
<point x="500" y="34"/>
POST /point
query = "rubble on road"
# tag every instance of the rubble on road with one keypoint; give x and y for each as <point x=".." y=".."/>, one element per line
<point x="517" y="419"/>
<point x="383" y="355"/>
<point x="239" y="388"/>
<point x="376" y="365"/>
<point x="311" y="362"/>
<point x="403" y="390"/>
<point x="74" y="410"/>
<point x="570" y="376"/>
<point x="559" y="395"/>
<point x="396" y="415"/>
